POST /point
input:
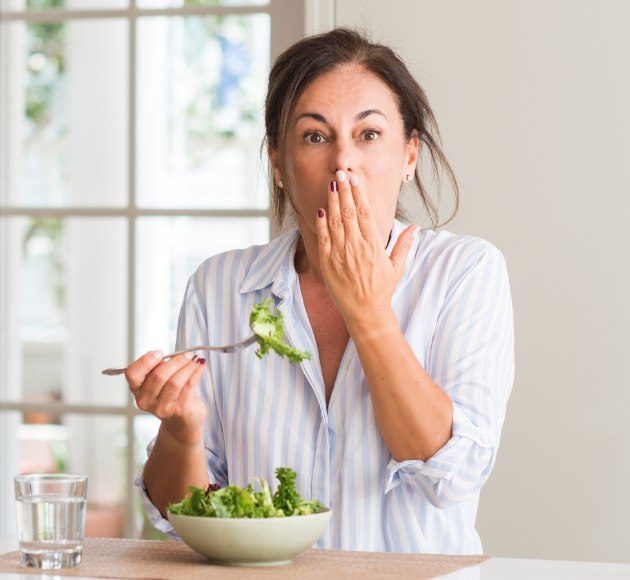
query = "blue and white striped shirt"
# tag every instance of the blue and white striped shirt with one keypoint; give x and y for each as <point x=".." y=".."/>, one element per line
<point x="454" y="306"/>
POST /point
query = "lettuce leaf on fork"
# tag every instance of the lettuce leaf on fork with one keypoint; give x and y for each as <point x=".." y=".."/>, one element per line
<point x="269" y="331"/>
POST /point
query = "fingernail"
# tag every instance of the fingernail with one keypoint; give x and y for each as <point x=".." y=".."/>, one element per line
<point x="341" y="175"/>
<point x="195" y="358"/>
<point x="189" y="354"/>
<point x="201" y="361"/>
<point x="333" y="186"/>
<point x="157" y="354"/>
<point x="320" y="213"/>
<point x="353" y="179"/>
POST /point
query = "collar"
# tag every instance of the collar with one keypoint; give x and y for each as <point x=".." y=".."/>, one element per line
<point x="275" y="263"/>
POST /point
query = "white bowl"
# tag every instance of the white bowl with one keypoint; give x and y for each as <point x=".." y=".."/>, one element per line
<point x="250" y="541"/>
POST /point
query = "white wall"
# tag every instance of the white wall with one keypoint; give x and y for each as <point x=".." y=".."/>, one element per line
<point x="533" y="100"/>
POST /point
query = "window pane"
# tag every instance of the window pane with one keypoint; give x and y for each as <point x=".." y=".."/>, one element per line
<point x="201" y="83"/>
<point x="169" y="251"/>
<point x="64" y="126"/>
<point x="20" y="5"/>
<point x="65" y="311"/>
<point x="44" y="443"/>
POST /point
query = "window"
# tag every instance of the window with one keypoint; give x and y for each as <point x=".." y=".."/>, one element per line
<point x="129" y="153"/>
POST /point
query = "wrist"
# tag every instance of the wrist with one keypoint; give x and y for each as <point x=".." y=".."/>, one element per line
<point x="372" y="325"/>
<point x="178" y="438"/>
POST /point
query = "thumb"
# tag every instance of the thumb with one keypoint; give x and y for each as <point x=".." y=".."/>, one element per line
<point x="401" y="249"/>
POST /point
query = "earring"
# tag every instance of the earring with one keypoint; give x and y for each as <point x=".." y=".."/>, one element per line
<point x="408" y="177"/>
<point x="280" y="184"/>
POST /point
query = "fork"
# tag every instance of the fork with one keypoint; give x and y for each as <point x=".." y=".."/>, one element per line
<point x="228" y="348"/>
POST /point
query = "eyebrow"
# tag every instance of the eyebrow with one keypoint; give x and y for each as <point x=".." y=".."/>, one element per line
<point x="358" y="117"/>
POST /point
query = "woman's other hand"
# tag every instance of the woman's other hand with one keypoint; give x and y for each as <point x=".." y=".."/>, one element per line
<point x="166" y="389"/>
<point x="358" y="273"/>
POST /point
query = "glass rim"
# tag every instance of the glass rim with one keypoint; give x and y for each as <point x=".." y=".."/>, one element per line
<point x="61" y="477"/>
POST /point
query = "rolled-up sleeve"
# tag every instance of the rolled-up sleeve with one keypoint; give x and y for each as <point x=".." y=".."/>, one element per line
<point x="191" y="330"/>
<point x="472" y="359"/>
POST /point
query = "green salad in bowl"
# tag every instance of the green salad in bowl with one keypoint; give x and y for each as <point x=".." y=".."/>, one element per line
<point x="243" y="502"/>
<point x="244" y="527"/>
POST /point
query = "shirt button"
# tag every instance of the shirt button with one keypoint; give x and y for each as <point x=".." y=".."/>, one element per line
<point x="484" y="438"/>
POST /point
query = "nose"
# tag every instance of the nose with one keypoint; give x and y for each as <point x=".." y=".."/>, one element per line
<point x="343" y="156"/>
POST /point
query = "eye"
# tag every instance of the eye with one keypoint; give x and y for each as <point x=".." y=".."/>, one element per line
<point x="318" y="138"/>
<point x="371" y="134"/>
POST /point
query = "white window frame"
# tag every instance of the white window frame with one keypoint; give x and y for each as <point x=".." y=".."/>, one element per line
<point x="290" y="20"/>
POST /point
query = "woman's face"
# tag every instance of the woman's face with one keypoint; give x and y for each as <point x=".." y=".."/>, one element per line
<point x="346" y="119"/>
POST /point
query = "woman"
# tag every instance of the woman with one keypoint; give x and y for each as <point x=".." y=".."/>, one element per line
<point x="395" y="421"/>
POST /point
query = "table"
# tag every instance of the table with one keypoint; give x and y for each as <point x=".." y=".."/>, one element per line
<point x="492" y="569"/>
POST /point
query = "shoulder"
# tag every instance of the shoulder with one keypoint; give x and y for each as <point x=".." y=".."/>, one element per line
<point x="450" y="256"/>
<point x="455" y="247"/>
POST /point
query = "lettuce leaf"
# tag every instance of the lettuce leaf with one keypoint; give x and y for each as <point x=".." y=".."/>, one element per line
<point x="269" y="331"/>
<point x="237" y="502"/>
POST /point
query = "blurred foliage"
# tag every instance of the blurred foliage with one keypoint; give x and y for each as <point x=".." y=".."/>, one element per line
<point x="52" y="229"/>
<point x="44" y="4"/>
<point x="61" y="455"/>
<point x="207" y="109"/>
<point x="45" y="67"/>
<point x="202" y="2"/>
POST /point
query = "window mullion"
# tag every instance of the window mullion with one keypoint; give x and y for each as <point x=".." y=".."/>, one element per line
<point x="65" y="212"/>
<point x="52" y="16"/>
<point x="130" y="213"/>
<point x="130" y="520"/>
<point x="67" y="408"/>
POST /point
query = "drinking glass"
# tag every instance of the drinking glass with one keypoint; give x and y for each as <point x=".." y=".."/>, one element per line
<point x="50" y="519"/>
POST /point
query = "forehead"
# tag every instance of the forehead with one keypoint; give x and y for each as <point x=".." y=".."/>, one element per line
<point x="347" y="89"/>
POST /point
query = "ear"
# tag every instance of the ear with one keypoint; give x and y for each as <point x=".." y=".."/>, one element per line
<point x="412" y="152"/>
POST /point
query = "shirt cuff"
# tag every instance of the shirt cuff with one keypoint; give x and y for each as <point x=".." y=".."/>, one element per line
<point x="446" y="460"/>
<point x="153" y="513"/>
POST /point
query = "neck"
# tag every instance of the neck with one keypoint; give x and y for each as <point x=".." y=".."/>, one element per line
<point x="307" y="256"/>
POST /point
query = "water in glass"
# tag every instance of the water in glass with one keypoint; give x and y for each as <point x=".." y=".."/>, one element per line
<point x="50" y="518"/>
<point x="51" y="531"/>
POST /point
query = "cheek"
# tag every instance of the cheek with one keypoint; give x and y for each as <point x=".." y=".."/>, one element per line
<point x="383" y="162"/>
<point x="383" y="183"/>
<point x="309" y="185"/>
<point x="383" y="176"/>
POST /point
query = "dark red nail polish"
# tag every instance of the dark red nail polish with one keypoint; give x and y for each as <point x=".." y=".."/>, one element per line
<point x="202" y="361"/>
<point x="195" y="358"/>
<point x="333" y="186"/>
<point x="321" y="213"/>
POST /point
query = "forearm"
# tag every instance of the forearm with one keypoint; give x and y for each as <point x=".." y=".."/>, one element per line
<point x="171" y="468"/>
<point x="413" y="413"/>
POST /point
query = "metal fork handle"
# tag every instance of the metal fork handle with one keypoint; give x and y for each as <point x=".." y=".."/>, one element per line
<point x="228" y="348"/>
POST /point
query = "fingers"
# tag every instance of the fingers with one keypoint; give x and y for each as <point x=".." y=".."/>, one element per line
<point x="335" y="221"/>
<point x="323" y="236"/>
<point x="164" y="375"/>
<point x="349" y="220"/>
<point x="138" y="370"/>
<point x="179" y="386"/>
<point x="347" y="208"/>
<point x="366" y="224"/>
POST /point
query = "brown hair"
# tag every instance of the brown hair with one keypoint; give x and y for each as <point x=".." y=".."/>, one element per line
<point x="313" y="56"/>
